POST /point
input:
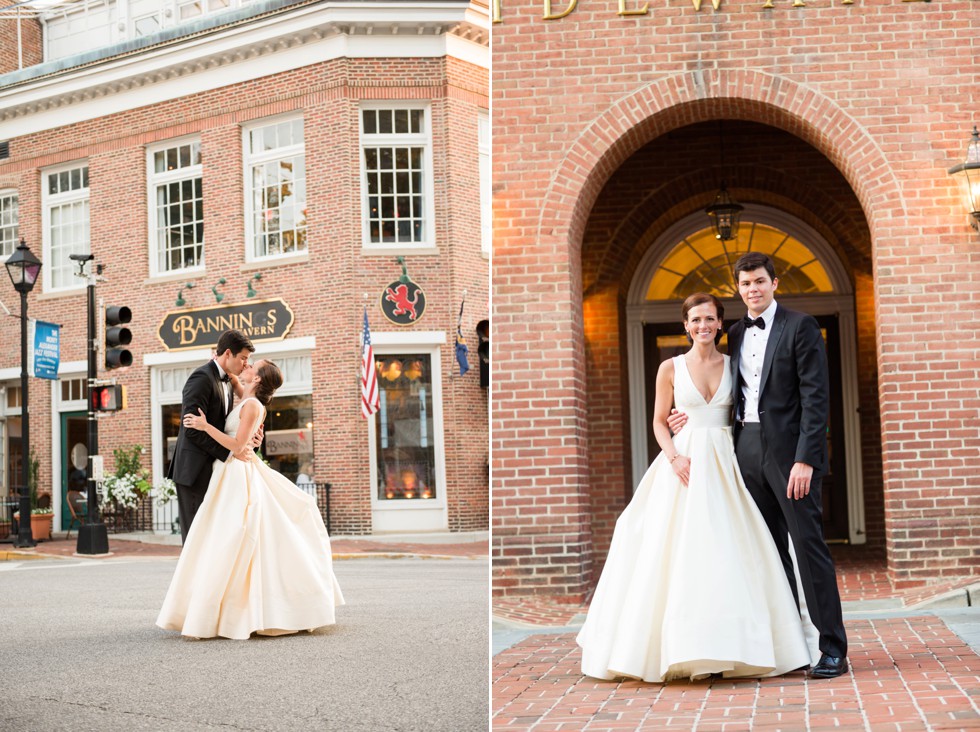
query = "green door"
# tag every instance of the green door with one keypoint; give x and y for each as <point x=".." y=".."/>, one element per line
<point x="74" y="459"/>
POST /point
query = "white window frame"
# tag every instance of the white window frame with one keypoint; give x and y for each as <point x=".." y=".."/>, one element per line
<point x="9" y="194"/>
<point x="392" y="343"/>
<point x="249" y="160"/>
<point x="51" y="201"/>
<point x="423" y="140"/>
<point x="486" y="206"/>
<point x="153" y="180"/>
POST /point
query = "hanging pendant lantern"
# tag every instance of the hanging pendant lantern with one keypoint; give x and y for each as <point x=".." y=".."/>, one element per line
<point x="969" y="173"/>
<point x="725" y="214"/>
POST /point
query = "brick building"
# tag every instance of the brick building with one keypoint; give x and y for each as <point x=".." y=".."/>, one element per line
<point x="259" y="164"/>
<point x="833" y="124"/>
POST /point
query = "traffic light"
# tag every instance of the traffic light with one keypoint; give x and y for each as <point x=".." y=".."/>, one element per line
<point x="116" y="336"/>
<point x="108" y="398"/>
<point x="483" y="351"/>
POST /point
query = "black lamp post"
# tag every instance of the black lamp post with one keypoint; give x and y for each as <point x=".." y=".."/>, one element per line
<point x="24" y="268"/>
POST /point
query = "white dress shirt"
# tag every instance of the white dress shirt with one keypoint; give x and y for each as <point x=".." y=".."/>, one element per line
<point x="225" y="386"/>
<point x="751" y="358"/>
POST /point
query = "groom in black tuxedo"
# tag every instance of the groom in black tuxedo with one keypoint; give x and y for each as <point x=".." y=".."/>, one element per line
<point x="208" y="389"/>
<point x="781" y="395"/>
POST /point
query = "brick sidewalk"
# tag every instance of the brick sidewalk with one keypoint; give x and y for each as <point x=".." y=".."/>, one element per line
<point x="342" y="548"/>
<point x="910" y="673"/>
<point x="860" y="576"/>
<point x="906" y="674"/>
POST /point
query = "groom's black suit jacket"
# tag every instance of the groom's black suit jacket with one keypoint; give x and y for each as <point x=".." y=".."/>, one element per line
<point x="196" y="451"/>
<point x="794" y="393"/>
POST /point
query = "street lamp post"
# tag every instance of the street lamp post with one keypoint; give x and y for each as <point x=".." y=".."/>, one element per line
<point x="24" y="268"/>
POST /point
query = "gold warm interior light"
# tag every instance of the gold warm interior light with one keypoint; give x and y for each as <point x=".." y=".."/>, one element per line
<point x="703" y="263"/>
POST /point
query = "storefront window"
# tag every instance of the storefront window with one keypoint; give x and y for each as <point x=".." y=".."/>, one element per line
<point x="405" y="438"/>
<point x="288" y="445"/>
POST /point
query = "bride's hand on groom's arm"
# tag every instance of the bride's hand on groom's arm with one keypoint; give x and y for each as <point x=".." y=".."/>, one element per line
<point x="196" y="421"/>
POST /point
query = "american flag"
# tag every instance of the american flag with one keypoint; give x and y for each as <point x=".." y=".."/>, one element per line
<point x="370" y="401"/>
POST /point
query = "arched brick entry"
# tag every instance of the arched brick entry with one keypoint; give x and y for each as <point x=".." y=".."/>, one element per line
<point x="543" y="461"/>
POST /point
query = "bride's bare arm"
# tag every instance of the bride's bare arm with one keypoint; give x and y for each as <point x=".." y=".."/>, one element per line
<point x="251" y="413"/>
<point x="661" y="411"/>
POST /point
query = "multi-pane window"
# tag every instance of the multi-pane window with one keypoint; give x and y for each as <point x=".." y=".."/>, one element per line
<point x="8" y="222"/>
<point x="176" y="206"/>
<point x="486" y="222"/>
<point x="397" y="176"/>
<point x="275" y="167"/>
<point x="66" y="224"/>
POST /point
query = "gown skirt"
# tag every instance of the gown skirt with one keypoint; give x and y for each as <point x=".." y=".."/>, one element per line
<point x="257" y="560"/>
<point x="693" y="584"/>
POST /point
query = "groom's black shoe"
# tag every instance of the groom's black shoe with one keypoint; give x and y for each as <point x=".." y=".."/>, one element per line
<point x="829" y="667"/>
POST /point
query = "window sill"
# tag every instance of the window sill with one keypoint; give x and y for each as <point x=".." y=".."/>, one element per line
<point x="300" y="258"/>
<point x="396" y="251"/>
<point x="56" y="294"/>
<point x="189" y="274"/>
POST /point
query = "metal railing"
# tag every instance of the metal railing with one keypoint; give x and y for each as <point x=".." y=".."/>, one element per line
<point x="164" y="518"/>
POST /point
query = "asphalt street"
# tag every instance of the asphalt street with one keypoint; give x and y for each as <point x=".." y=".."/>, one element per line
<point x="80" y="651"/>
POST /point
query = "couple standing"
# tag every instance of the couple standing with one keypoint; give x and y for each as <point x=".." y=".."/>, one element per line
<point x="256" y="556"/>
<point x="700" y="578"/>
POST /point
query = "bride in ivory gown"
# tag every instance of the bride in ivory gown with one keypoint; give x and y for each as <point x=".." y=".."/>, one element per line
<point x="693" y="584"/>
<point x="257" y="558"/>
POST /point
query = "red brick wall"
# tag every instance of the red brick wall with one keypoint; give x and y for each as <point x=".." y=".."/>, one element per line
<point x="835" y="89"/>
<point x="31" y="47"/>
<point x="325" y="293"/>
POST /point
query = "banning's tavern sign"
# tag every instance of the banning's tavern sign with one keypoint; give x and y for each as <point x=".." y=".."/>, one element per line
<point x="262" y="320"/>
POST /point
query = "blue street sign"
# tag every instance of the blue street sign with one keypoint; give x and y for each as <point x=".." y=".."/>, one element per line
<point x="45" y="341"/>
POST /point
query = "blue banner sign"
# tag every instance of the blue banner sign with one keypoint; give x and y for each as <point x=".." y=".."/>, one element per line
<point x="45" y="342"/>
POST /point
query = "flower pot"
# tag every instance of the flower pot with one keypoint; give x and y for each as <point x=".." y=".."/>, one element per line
<point x="41" y="525"/>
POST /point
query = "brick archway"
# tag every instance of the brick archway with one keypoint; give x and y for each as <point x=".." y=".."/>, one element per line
<point x="544" y="464"/>
<point x="683" y="99"/>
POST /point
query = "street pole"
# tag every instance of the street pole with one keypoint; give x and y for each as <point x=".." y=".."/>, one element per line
<point x="25" y="537"/>
<point x="93" y="538"/>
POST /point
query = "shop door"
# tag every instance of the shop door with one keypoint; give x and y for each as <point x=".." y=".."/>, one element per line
<point x="666" y="340"/>
<point x="74" y="459"/>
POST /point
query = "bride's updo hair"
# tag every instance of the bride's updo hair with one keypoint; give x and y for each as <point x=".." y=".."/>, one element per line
<point x="702" y="298"/>
<point x="270" y="379"/>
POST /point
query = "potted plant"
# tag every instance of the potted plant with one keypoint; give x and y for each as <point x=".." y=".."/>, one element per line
<point x="123" y="493"/>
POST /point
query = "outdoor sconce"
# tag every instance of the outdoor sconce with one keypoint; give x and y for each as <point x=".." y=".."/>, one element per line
<point x="180" y="294"/>
<point x="218" y="296"/>
<point x="724" y="214"/>
<point x="969" y="172"/>
<point x="251" y="290"/>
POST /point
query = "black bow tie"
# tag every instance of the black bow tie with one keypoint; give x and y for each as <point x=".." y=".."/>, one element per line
<point x="758" y="322"/>
<point x="226" y="378"/>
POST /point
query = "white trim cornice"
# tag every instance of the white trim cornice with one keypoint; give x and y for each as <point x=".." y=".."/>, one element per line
<point x="250" y="49"/>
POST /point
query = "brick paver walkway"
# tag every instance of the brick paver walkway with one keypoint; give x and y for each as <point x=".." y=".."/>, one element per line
<point x="910" y="673"/>
<point x="906" y="674"/>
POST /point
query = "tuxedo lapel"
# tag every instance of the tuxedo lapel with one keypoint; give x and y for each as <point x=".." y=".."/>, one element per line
<point x="219" y="385"/>
<point x="778" y="324"/>
<point x="734" y="356"/>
